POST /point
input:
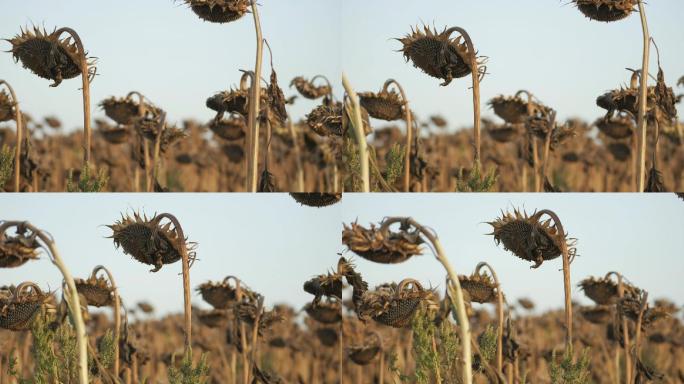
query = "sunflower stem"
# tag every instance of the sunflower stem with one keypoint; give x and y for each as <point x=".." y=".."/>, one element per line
<point x="359" y="134"/>
<point x="409" y="133"/>
<point x="117" y="315"/>
<point x="625" y="330"/>
<point x="20" y="129"/>
<point x="255" y="98"/>
<point x="157" y="146"/>
<point x="643" y="94"/>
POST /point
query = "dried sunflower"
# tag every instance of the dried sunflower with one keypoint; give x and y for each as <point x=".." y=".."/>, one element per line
<point x="326" y="312"/>
<point x="147" y="241"/>
<point x="478" y="287"/>
<point x="231" y="129"/>
<point x="604" y="291"/>
<point x="16" y="250"/>
<point x="384" y="105"/>
<point x="363" y="354"/>
<point x="382" y="245"/>
<point x="316" y="199"/>
<point x="97" y="291"/>
<point x="529" y="238"/>
<point x="437" y="54"/>
<point x="606" y="10"/>
<point x="307" y="89"/>
<point x="215" y="318"/>
<point x="222" y="295"/>
<point x="394" y="305"/>
<point x="6" y="107"/>
<point x="235" y="100"/>
<point x="504" y="134"/>
<point x="326" y="120"/>
<point x="219" y="11"/>
<point x="600" y="314"/>
<point x="111" y="134"/>
<point x="620" y="151"/>
<point x="512" y="109"/>
<point x="619" y="127"/>
<point x="123" y="110"/>
<point x="47" y="56"/>
<point x="329" y="285"/>
<point x="18" y="311"/>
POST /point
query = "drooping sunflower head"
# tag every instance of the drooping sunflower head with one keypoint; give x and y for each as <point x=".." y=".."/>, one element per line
<point x="437" y="54"/>
<point x="316" y="199"/>
<point x="113" y="134"/>
<point x="365" y="353"/>
<point x="219" y="11"/>
<point x="513" y="109"/>
<point x="215" y="318"/>
<point x="326" y="120"/>
<point x="604" y="291"/>
<point x="478" y="287"/>
<point x="606" y="10"/>
<point x="16" y="250"/>
<point x="620" y="151"/>
<point x="395" y="305"/>
<point x="20" y="307"/>
<point x="326" y="312"/>
<point x="618" y="127"/>
<point x="307" y="88"/>
<point x="123" y="110"/>
<point x="48" y="56"/>
<point x="530" y="238"/>
<point x="600" y="314"/>
<point x="505" y="133"/>
<point x="149" y="242"/>
<point x="97" y="291"/>
<point x="6" y="107"/>
<point x="382" y="245"/>
<point x="384" y="105"/>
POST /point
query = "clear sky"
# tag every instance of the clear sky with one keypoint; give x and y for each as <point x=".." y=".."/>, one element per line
<point x="162" y="49"/>
<point x="274" y="244"/>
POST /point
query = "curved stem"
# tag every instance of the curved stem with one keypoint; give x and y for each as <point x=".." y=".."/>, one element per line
<point x="409" y="133"/>
<point x="566" y="271"/>
<point x="643" y="94"/>
<point x="20" y="129"/>
<point x="85" y="76"/>
<point x="186" y="275"/>
<point x="474" y="70"/>
<point x="358" y="132"/>
<point x="499" y="314"/>
<point x="255" y="98"/>
<point x="625" y="330"/>
<point x="74" y="305"/>
<point x="157" y="145"/>
<point x="463" y="321"/>
<point x="547" y="147"/>
<point x="117" y="314"/>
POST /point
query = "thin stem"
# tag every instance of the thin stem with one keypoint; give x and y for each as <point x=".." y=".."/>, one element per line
<point x="255" y="98"/>
<point x="85" y="76"/>
<point x="358" y="132"/>
<point x="186" y="275"/>
<point x="409" y="133"/>
<point x="566" y="271"/>
<point x="157" y="145"/>
<point x="459" y="304"/>
<point x="20" y="129"/>
<point x="637" y="332"/>
<point x="499" y="314"/>
<point x="643" y="94"/>
<point x="475" y="72"/>
<point x="547" y="147"/>
<point x="625" y="330"/>
<point x="117" y="315"/>
<point x="72" y="294"/>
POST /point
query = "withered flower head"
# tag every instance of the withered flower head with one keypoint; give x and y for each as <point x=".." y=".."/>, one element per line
<point x="600" y="314"/>
<point x="316" y="199"/>
<point x="16" y="250"/>
<point x="149" y="242"/>
<point x="111" y="134"/>
<point x="326" y="312"/>
<point x="512" y="109"/>
<point x="215" y="318"/>
<point x="478" y="287"/>
<point x="97" y="291"/>
<point x="222" y="295"/>
<point x="329" y="285"/>
<point x="438" y="121"/>
<point x="6" y="107"/>
<point x="365" y="353"/>
<point x="654" y="182"/>
<point x="219" y="11"/>
<point x="384" y="105"/>
<point x="326" y="120"/>
<point x="46" y="55"/>
<point x="503" y="134"/>
<point x="604" y="291"/>
<point x="234" y="152"/>
<point x="606" y="10"/>
<point x="123" y="110"/>
<point x="437" y="54"/>
<point x="307" y="89"/>
<point x="382" y="245"/>
<point x="394" y="305"/>
<point x="529" y="238"/>
<point x="618" y="127"/>
<point x="18" y="310"/>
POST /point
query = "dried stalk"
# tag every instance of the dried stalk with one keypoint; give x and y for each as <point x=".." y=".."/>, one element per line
<point x="359" y="134"/>
<point x="20" y="129"/>
<point x="643" y="92"/>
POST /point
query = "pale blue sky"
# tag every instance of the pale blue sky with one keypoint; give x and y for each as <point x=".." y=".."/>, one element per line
<point x="163" y="50"/>
<point x="274" y="244"/>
